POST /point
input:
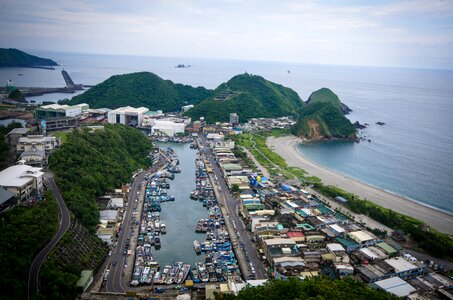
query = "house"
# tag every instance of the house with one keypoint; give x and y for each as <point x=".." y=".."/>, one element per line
<point x="22" y="180"/>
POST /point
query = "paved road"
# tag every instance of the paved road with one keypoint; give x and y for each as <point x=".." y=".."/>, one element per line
<point x="117" y="272"/>
<point x="231" y="205"/>
<point x="114" y="283"/>
<point x="65" y="222"/>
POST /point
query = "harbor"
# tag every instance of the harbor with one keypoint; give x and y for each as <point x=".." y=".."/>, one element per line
<point x="181" y="237"/>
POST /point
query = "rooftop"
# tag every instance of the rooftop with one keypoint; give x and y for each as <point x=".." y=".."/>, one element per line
<point x="130" y="109"/>
<point x="361" y="236"/>
<point x="396" y="286"/>
<point x="335" y="247"/>
<point x="19" y="131"/>
<point x="273" y="242"/>
<point x="18" y="175"/>
<point x="400" y="264"/>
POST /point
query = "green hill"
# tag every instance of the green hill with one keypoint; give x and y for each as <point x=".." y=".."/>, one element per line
<point x="323" y="117"/>
<point x="16" y="58"/>
<point x="141" y="89"/>
<point x="249" y="96"/>
<point x="98" y="162"/>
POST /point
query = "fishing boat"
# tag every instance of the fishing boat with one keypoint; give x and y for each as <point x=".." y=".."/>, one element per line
<point x="156" y="277"/>
<point x="196" y="247"/>
<point x="195" y="275"/>
<point x="202" y="272"/>
<point x="157" y="242"/>
<point x="164" y="274"/>
<point x="163" y="228"/>
<point x="182" y="274"/>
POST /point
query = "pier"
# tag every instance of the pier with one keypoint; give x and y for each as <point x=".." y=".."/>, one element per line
<point x="70" y="88"/>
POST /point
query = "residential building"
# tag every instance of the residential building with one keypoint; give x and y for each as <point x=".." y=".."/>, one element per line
<point x="22" y="180"/>
<point x="234" y="119"/>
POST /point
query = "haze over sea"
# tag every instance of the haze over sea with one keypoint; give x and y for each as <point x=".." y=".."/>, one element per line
<point x="411" y="155"/>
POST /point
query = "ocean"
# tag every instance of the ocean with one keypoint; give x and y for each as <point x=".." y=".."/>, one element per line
<point x="411" y="155"/>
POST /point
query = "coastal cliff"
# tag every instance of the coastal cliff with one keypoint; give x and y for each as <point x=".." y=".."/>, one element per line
<point x="323" y="117"/>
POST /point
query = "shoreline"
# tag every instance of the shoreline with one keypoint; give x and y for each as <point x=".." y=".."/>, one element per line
<point x="287" y="148"/>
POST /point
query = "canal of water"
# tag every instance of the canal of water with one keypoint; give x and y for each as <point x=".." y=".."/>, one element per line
<point x="181" y="216"/>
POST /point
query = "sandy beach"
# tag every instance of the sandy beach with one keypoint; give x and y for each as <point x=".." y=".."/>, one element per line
<point x="286" y="147"/>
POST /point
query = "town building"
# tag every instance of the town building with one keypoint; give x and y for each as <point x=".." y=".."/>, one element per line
<point x="34" y="149"/>
<point x="234" y="119"/>
<point x="127" y="115"/>
<point x="59" y="111"/>
<point x="168" y="126"/>
<point x="15" y="134"/>
<point x="22" y="180"/>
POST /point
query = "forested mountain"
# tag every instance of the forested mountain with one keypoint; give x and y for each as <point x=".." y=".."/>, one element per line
<point x="249" y="96"/>
<point x="141" y="89"/>
<point x="16" y="58"/>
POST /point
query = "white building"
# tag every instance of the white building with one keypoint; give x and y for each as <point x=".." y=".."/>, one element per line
<point x="21" y="180"/>
<point x="127" y="115"/>
<point x="186" y="108"/>
<point x="169" y="126"/>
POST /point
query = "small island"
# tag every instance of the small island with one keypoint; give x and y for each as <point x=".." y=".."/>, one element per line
<point x="16" y="58"/>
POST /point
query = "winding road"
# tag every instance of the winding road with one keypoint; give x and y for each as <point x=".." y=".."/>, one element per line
<point x="65" y="222"/>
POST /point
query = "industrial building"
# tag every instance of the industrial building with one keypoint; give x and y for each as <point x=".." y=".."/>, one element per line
<point x="22" y="180"/>
<point x="60" y="111"/>
<point x="169" y="126"/>
<point x="127" y="115"/>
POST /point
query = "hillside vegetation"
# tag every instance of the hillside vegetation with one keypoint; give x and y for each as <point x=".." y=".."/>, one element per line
<point x="78" y="250"/>
<point x="16" y="58"/>
<point x="92" y="163"/>
<point x="323" y="117"/>
<point x="25" y="231"/>
<point x="310" y="288"/>
<point x="249" y="96"/>
<point x="141" y="89"/>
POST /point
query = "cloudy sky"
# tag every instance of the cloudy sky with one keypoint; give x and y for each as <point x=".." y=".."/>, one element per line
<point x="379" y="33"/>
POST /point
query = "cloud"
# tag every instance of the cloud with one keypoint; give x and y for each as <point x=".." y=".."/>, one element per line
<point x="269" y="30"/>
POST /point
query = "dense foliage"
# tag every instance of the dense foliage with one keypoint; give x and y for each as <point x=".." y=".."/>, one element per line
<point x="5" y="154"/>
<point x="432" y="241"/>
<point x="78" y="250"/>
<point x="310" y="288"/>
<point x="250" y="96"/>
<point x="324" y="110"/>
<point x="25" y="231"/>
<point x="16" y="58"/>
<point x="92" y="163"/>
<point x="141" y="89"/>
<point x="17" y="96"/>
